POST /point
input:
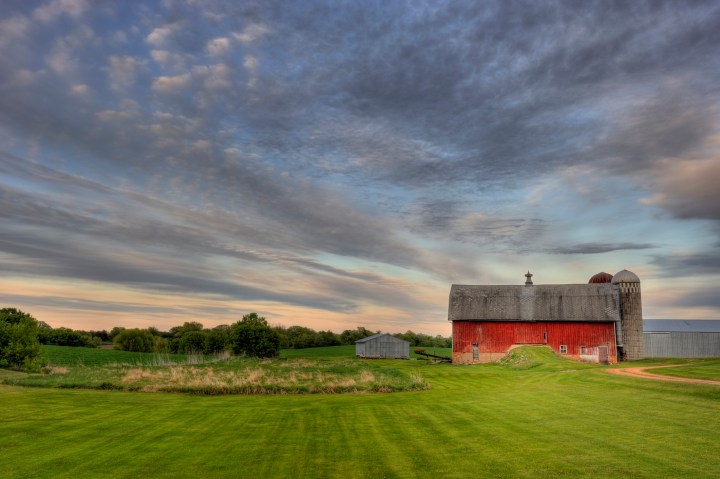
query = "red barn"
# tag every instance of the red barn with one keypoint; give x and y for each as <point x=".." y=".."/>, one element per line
<point x="580" y="321"/>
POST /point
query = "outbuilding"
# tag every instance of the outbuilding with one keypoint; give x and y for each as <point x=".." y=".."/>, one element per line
<point x="676" y="338"/>
<point x="382" y="346"/>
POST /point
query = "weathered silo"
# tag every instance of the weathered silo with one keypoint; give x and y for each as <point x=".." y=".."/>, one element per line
<point x="627" y="286"/>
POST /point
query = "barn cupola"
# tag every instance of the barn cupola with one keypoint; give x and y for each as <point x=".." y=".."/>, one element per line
<point x="528" y="278"/>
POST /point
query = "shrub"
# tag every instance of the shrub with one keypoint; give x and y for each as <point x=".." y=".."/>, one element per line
<point x="135" y="340"/>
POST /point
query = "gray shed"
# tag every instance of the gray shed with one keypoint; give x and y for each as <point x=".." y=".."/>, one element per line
<point x="382" y="346"/>
<point x="674" y="338"/>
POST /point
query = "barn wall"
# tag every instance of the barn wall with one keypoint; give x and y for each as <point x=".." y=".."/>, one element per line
<point x="493" y="339"/>
<point x="682" y="345"/>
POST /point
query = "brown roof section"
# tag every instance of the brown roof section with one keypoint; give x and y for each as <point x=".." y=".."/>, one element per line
<point x="601" y="278"/>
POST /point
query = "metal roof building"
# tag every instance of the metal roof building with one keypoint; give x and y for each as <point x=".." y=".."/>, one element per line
<point x="382" y="346"/>
<point x="676" y="338"/>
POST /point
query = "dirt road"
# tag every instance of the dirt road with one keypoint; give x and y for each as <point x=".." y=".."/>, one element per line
<point x="642" y="373"/>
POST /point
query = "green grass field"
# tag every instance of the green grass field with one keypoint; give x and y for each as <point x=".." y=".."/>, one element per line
<point x="535" y="415"/>
<point x="706" y="369"/>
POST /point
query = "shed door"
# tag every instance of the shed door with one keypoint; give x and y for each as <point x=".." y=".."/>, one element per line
<point x="603" y="354"/>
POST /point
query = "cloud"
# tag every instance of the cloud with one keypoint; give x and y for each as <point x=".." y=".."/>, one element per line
<point x="55" y="8"/>
<point x="218" y="46"/>
<point x="13" y="29"/>
<point x="705" y="297"/>
<point x="171" y="84"/>
<point x="252" y="33"/>
<point x="687" y="188"/>
<point x="689" y="264"/>
<point x="123" y="71"/>
<point x="80" y="89"/>
<point x="160" y="35"/>
<point x="135" y="236"/>
<point x="20" y="78"/>
<point x="599" y="248"/>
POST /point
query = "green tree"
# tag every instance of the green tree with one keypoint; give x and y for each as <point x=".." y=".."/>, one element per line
<point x="19" y="344"/>
<point x="188" y="326"/>
<point x="67" y="337"/>
<point x="192" y="342"/>
<point x="114" y="332"/>
<point x="349" y="336"/>
<point x="135" y="340"/>
<point x="251" y="336"/>
<point x="216" y="341"/>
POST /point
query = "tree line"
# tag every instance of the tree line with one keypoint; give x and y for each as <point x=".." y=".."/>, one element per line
<point x="21" y="336"/>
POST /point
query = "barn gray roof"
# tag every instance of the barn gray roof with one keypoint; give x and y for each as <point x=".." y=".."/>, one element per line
<point x="549" y="302"/>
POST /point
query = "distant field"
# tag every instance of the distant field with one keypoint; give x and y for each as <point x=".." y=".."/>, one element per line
<point x="348" y="351"/>
<point x="67" y="356"/>
<point x="533" y="416"/>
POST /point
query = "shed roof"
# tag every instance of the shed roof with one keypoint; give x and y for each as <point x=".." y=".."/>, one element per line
<point x="681" y="326"/>
<point x="375" y="336"/>
<point x="548" y="302"/>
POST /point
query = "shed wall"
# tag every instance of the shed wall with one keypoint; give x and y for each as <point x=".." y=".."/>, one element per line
<point x="682" y="345"/>
<point x="494" y="339"/>
<point x="383" y="347"/>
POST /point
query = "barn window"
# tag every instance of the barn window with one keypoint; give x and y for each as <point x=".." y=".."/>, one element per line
<point x="475" y="351"/>
<point x="563" y="349"/>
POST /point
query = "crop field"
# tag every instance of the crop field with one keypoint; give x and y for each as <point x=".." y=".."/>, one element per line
<point x="532" y="415"/>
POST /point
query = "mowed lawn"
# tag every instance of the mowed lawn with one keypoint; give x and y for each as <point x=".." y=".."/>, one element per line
<point x="706" y="369"/>
<point x="543" y="417"/>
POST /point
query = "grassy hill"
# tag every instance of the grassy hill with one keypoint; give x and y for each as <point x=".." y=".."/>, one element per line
<point x="533" y="415"/>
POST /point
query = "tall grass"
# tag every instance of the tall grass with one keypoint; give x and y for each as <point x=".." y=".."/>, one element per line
<point x="222" y="374"/>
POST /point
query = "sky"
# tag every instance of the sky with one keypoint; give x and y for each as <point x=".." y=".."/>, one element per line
<point x="341" y="164"/>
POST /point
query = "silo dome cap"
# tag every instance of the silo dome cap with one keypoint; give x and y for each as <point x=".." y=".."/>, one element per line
<point x="600" y="278"/>
<point x="625" y="276"/>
